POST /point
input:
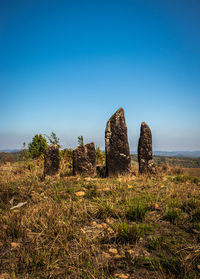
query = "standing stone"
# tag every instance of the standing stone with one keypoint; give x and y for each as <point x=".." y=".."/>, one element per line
<point x="51" y="160"/>
<point x="84" y="160"/>
<point x="145" y="158"/>
<point x="118" y="159"/>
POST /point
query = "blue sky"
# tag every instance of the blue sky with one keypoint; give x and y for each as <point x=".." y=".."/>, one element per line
<point x="67" y="66"/>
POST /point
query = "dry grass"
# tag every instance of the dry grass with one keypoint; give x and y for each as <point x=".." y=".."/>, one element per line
<point x="192" y="171"/>
<point x="133" y="227"/>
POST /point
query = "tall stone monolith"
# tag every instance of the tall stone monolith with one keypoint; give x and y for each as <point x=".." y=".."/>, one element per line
<point x="118" y="159"/>
<point x="84" y="160"/>
<point x="51" y="160"/>
<point x="145" y="157"/>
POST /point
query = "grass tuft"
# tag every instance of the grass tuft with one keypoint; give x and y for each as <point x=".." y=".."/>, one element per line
<point x="130" y="233"/>
<point x="136" y="210"/>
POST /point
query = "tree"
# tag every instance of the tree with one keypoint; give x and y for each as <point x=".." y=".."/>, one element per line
<point x="100" y="156"/>
<point x="37" y="146"/>
<point x="53" y="139"/>
<point x="80" y="141"/>
<point x="24" y="154"/>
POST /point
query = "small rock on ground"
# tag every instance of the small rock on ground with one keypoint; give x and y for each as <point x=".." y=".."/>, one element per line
<point x="113" y="251"/>
<point x="80" y="194"/>
<point x="121" y="275"/>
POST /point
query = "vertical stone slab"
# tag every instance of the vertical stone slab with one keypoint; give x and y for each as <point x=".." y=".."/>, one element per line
<point x="118" y="159"/>
<point x="84" y="160"/>
<point x="51" y="160"/>
<point x="145" y="157"/>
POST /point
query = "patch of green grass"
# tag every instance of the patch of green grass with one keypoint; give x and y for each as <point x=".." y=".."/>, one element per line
<point x="196" y="215"/>
<point x="181" y="178"/>
<point x="195" y="180"/>
<point x="190" y="204"/>
<point x="174" y="202"/>
<point x="167" y="263"/>
<point x="130" y="233"/>
<point x="166" y="242"/>
<point x="139" y="206"/>
<point x="196" y="226"/>
<point x="15" y="229"/>
<point x="155" y="242"/>
<point x="136" y="211"/>
<point x="105" y="209"/>
<point x="147" y="262"/>
<point x="184" y="178"/>
<point x="91" y="192"/>
<point x="171" y="215"/>
<point x="2" y="205"/>
<point x="171" y="264"/>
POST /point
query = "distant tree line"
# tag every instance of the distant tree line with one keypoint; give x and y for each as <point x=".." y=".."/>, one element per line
<point x="39" y="143"/>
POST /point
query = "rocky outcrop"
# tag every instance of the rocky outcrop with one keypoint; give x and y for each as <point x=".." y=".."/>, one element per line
<point x="145" y="157"/>
<point x="51" y="160"/>
<point x="118" y="158"/>
<point x="84" y="160"/>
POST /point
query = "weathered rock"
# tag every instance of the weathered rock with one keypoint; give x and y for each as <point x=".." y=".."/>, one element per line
<point x="145" y="157"/>
<point x="51" y="160"/>
<point x="84" y="160"/>
<point x="118" y="157"/>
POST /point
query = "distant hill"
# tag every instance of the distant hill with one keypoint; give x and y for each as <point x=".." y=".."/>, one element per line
<point x="10" y="156"/>
<point x="189" y="154"/>
<point x="10" y="150"/>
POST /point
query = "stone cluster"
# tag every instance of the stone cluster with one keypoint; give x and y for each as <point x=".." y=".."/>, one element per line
<point x="118" y="158"/>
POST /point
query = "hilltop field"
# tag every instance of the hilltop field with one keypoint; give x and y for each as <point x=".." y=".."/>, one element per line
<point x="75" y="227"/>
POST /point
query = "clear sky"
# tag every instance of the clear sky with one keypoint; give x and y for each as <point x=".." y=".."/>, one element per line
<point x="67" y="66"/>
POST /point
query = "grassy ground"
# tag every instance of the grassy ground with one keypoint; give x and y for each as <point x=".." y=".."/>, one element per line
<point x="73" y="227"/>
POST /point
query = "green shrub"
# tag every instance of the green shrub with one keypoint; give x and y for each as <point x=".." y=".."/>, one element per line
<point x="37" y="146"/>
